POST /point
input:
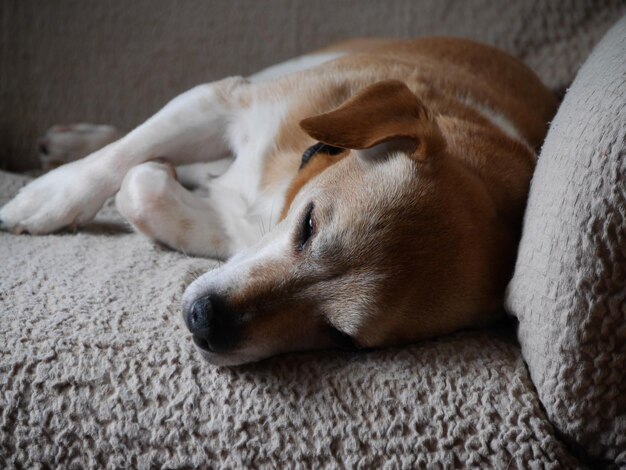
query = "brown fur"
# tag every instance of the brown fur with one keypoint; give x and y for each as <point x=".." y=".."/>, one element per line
<point x="437" y="70"/>
<point x="314" y="168"/>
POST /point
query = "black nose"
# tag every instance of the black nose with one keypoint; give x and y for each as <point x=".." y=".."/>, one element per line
<point x="215" y="326"/>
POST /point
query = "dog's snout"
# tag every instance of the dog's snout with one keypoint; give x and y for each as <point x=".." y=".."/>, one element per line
<point x="214" y="325"/>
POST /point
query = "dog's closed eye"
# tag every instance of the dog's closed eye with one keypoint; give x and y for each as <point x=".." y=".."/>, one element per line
<point x="320" y="147"/>
<point x="306" y="228"/>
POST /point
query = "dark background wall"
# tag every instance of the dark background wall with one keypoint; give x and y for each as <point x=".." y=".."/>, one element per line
<point x="118" y="61"/>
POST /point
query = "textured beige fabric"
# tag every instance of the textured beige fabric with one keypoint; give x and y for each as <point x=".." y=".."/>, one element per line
<point x="119" y="61"/>
<point x="97" y="370"/>
<point x="95" y="367"/>
<point x="569" y="287"/>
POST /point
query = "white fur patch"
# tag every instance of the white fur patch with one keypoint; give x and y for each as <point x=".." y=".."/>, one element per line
<point x="247" y="212"/>
<point x="294" y="65"/>
<point x="495" y="118"/>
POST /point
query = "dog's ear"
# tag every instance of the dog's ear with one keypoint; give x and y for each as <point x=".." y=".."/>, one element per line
<point x="383" y="117"/>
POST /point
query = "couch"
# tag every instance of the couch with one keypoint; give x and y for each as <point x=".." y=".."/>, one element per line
<point x="96" y="367"/>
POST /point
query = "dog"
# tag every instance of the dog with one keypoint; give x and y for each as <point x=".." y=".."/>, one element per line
<point x="374" y="195"/>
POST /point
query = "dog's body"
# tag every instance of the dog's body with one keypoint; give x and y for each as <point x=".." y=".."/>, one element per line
<point x="390" y="177"/>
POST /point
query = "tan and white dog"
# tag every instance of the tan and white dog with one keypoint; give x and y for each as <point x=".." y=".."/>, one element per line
<point x="390" y="177"/>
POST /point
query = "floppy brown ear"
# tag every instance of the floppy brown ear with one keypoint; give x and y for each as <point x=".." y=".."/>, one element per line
<point x="381" y="113"/>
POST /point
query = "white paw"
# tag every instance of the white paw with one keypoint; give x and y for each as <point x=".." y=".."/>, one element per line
<point x="68" y="196"/>
<point x="67" y="143"/>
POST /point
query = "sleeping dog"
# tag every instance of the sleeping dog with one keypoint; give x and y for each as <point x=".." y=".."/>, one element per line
<point x="374" y="196"/>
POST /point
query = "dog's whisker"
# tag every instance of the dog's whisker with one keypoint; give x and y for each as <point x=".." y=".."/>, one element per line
<point x="260" y="225"/>
<point x="271" y="226"/>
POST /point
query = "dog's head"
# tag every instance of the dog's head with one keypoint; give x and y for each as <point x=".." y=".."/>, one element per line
<point x="385" y="239"/>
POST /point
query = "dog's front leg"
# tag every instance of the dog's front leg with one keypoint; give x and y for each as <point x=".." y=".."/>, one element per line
<point x="191" y="128"/>
<point x="157" y="206"/>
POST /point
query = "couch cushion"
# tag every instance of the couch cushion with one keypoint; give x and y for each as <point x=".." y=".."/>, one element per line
<point x="569" y="286"/>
